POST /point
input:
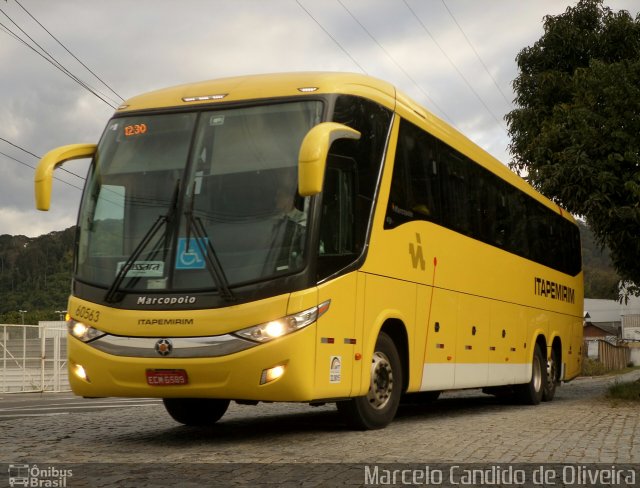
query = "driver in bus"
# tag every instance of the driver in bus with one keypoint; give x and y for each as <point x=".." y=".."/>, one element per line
<point x="291" y="222"/>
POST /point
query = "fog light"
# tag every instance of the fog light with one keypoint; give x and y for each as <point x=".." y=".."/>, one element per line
<point x="79" y="371"/>
<point x="271" y="374"/>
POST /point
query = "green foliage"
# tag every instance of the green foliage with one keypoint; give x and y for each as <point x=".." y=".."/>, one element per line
<point x="35" y="275"/>
<point x="591" y="367"/>
<point x="600" y="279"/>
<point x="625" y="391"/>
<point x="576" y="129"/>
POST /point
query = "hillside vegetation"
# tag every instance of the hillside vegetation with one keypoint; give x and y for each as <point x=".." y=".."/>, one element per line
<point x="35" y="275"/>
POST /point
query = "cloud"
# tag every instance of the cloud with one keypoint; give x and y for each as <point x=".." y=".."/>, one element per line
<point x="145" y="45"/>
<point x="31" y="223"/>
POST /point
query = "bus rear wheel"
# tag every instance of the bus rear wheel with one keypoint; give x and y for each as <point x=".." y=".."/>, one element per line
<point x="553" y="370"/>
<point x="196" y="411"/>
<point x="378" y="408"/>
<point x="531" y="393"/>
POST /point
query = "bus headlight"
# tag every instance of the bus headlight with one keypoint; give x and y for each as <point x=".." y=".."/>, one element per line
<point x="83" y="332"/>
<point x="286" y="325"/>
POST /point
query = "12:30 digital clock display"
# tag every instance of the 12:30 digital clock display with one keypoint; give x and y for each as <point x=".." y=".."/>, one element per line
<point x="135" y="129"/>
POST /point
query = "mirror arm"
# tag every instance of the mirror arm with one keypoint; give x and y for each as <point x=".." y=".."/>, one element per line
<point x="313" y="154"/>
<point x="44" y="172"/>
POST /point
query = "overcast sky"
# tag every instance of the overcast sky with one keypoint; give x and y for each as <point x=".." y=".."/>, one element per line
<point x="456" y="57"/>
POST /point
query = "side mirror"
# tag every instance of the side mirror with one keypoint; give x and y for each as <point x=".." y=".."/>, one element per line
<point x="312" y="159"/>
<point x="44" y="172"/>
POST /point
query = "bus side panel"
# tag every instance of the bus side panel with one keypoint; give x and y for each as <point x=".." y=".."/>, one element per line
<point x="385" y="299"/>
<point x="336" y="341"/>
<point x="472" y="348"/>
<point x="507" y="358"/>
<point x="439" y="354"/>
<point x="421" y="331"/>
<point x="572" y="355"/>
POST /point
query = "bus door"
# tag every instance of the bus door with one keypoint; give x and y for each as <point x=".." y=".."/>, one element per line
<point x="338" y="340"/>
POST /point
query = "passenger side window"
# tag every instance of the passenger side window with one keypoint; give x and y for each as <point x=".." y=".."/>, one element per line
<point x="415" y="188"/>
<point x="433" y="181"/>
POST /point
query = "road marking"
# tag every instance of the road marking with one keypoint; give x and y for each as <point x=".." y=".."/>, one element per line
<point x="73" y="407"/>
<point x="43" y="413"/>
<point x="88" y="403"/>
<point x="3" y="416"/>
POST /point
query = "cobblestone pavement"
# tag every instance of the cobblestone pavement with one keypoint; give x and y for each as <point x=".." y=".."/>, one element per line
<point x="579" y="426"/>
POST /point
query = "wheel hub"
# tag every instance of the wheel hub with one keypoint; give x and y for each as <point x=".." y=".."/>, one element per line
<point x="381" y="385"/>
<point x="537" y="374"/>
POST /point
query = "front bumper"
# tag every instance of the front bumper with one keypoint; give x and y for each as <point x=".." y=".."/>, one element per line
<point x="234" y="376"/>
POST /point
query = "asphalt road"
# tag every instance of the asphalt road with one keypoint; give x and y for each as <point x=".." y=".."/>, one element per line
<point x="135" y="443"/>
<point x="25" y="405"/>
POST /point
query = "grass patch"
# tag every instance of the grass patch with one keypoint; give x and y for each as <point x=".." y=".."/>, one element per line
<point x="591" y="367"/>
<point x="625" y="391"/>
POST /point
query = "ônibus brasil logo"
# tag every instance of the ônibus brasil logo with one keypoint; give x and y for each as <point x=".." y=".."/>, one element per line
<point x="32" y="475"/>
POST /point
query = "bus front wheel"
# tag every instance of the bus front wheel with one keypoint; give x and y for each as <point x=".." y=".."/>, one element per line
<point x="196" y="411"/>
<point x="378" y="408"/>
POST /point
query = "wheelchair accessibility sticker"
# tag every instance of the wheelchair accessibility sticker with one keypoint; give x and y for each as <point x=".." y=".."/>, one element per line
<point x="191" y="256"/>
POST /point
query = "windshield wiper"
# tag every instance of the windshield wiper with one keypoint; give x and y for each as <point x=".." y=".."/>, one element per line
<point x="110" y="297"/>
<point x="161" y="221"/>
<point x="195" y="225"/>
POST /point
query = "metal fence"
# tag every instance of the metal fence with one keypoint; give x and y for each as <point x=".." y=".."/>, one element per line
<point x="33" y="358"/>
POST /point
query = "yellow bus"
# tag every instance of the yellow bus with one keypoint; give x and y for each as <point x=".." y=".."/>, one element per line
<point x="310" y="237"/>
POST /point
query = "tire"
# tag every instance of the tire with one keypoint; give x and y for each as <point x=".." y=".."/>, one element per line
<point x="553" y="365"/>
<point x="196" y="411"/>
<point x="378" y="408"/>
<point x="531" y="393"/>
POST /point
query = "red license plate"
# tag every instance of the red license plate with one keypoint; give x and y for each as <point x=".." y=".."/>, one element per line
<point x="167" y="377"/>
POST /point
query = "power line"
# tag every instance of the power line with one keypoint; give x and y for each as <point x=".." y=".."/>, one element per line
<point x="73" y="55"/>
<point x="332" y="38"/>
<point x="18" y="147"/>
<point x="476" y="53"/>
<point x="33" y="167"/>
<point x="477" y="95"/>
<point x="37" y="157"/>
<point x="49" y="58"/>
<point x="395" y="62"/>
<point x="52" y="61"/>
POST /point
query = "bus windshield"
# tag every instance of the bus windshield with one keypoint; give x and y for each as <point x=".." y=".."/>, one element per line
<point x="198" y="200"/>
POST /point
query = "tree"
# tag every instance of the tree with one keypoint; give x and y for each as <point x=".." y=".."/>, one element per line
<point x="35" y="275"/>
<point x="600" y="279"/>
<point x="576" y="126"/>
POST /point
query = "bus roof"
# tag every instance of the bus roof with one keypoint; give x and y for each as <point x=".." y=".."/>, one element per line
<point x="277" y="85"/>
<point x="261" y="87"/>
